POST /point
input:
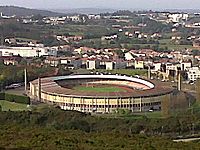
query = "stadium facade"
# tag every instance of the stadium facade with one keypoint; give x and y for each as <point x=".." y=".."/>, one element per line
<point x="142" y="95"/>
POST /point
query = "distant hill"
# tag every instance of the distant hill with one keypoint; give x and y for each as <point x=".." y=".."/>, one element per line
<point x="21" y="11"/>
<point x="183" y="10"/>
<point x="84" y="10"/>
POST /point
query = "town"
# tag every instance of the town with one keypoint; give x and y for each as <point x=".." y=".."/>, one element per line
<point x="166" y="42"/>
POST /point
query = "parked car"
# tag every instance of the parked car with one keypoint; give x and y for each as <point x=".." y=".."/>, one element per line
<point x="14" y="85"/>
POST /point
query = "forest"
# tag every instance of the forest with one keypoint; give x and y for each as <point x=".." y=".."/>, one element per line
<point x="52" y="128"/>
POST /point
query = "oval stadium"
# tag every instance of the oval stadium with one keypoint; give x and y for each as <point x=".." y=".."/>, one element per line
<point x="99" y="93"/>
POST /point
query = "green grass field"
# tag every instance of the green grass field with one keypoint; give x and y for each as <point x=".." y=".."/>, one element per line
<point x="169" y="46"/>
<point x="99" y="89"/>
<point x="6" y="106"/>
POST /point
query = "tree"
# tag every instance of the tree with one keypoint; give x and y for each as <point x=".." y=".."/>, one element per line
<point x="37" y="17"/>
<point x="198" y="90"/>
<point x="165" y="106"/>
<point x="49" y="41"/>
<point x="120" y="53"/>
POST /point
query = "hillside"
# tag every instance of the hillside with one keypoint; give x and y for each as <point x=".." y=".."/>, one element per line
<point x="21" y="11"/>
<point x="84" y="10"/>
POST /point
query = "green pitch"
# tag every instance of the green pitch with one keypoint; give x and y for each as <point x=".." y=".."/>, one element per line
<point x="99" y="89"/>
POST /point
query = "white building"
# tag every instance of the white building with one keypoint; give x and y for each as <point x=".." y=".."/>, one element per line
<point x="72" y="63"/>
<point x="193" y="73"/>
<point x="139" y="54"/>
<point x="185" y="65"/>
<point x="5" y="17"/>
<point x="109" y="37"/>
<point x="157" y="66"/>
<point x="54" y="62"/>
<point x="109" y="65"/>
<point x="93" y="64"/>
<point x="129" y="56"/>
<point x="75" y="18"/>
<point x="139" y="64"/>
<point x="93" y="16"/>
<point x="28" y="51"/>
<point x="178" y="17"/>
<point x="176" y="66"/>
<point x="172" y="67"/>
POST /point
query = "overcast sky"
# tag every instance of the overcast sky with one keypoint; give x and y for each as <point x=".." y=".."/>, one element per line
<point x="126" y="4"/>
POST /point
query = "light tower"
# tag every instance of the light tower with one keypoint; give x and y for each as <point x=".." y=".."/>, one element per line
<point x="179" y="80"/>
<point x="39" y="89"/>
<point x="149" y="72"/>
<point x="25" y="80"/>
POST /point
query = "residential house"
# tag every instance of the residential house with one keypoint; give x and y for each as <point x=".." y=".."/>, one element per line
<point x="139" y="64"/>
<point x="93" y="64"/>
<point x="129" y="56"/>
<point x="52" y="61"/>
<point x="109" y="65"/>
<point x="193" y="73"/>
<point x="70" y="62"/>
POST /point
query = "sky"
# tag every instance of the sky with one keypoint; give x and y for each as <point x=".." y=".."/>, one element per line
<point x="117" y="4"/>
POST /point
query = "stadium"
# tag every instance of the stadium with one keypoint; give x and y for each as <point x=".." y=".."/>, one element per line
<point x="99" y="93"/>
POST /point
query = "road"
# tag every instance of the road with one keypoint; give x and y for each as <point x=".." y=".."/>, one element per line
<point x="16" y="91"/>
<point x="187" y="140"/>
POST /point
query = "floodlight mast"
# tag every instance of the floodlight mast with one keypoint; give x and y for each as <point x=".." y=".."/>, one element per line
<point x="25" y="80"/>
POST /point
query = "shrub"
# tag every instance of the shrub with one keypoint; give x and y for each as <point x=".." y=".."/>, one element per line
<point x="15" y="98"/>
<point x="121" y="111"/>
<point x="2" y="96"/>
